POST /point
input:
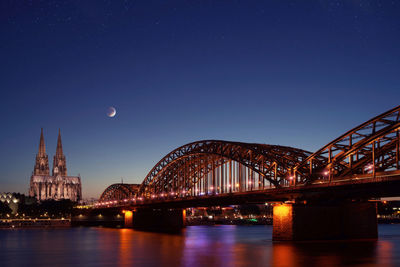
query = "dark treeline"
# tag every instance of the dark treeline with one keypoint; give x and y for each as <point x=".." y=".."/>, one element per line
<point x="4" y="209"/>
<point x="46" y="209"/>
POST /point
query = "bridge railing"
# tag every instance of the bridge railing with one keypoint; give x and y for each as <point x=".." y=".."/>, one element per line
<point x="379" y="177"/>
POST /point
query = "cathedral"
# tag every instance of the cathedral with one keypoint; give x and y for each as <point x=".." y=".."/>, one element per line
<point x="57" y="186"/>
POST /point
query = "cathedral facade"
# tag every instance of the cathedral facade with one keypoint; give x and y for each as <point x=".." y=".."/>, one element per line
<point x="58" y="185"/>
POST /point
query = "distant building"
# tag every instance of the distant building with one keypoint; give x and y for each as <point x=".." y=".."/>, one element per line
<point x="14" y="200"/>
<point x="57" y="186"/>
<point x="11" y="200"/>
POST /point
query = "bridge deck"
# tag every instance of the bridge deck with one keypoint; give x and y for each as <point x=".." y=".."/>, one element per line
<point x="385" y="184"/>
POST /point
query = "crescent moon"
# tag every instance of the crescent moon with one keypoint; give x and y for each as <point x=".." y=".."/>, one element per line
<point x="111" y="112"/>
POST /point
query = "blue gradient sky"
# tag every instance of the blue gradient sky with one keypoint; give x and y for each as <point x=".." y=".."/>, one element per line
<point x="295" y="73"/>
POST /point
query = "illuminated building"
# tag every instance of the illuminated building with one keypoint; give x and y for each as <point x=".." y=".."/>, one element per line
<point x="57" y="186"/>
<point x="11" y="200"/>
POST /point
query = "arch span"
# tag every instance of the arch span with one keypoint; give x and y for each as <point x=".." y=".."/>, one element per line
<point x="216" y="166"/>
<point x="119" y="192"/>
<point x="370" y="147"/>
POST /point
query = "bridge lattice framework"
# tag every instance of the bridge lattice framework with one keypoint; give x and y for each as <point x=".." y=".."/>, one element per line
<point x="213" y="167"/>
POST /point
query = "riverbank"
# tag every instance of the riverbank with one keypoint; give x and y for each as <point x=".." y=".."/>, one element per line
<point x="62" y="223"/>
<point x="35" y="223"/>
<point x="389" y="220"/>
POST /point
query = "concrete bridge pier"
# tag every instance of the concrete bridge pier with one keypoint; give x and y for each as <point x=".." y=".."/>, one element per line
<point x="163" y="220"/>
<point x="349" y="220"/>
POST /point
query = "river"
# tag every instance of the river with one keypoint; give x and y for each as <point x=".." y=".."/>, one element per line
<point x="225" y="245"/>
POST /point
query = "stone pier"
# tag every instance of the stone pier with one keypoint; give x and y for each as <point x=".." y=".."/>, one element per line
<point x="168" y="220"/>
<point x="351" y="220"/>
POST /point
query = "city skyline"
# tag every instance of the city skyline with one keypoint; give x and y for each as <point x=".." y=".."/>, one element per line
<point x="288" y="73"/>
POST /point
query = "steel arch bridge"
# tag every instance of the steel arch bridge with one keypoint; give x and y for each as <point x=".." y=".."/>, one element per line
<point x="213" y="167"/>
<point x="367" y="149"/>
<point x="120" y="191"/>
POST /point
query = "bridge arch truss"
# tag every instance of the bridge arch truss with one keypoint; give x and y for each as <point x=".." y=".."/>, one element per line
<point x="212" y="167"/>
<point x="367" y="149"/>
<point x="215" y="166"/>
<point x="118" y="192"/>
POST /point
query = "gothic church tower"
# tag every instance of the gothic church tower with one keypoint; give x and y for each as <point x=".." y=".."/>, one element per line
<point x="58" y="185"/>
<point x="42" y="161"/>
<point x="59" y="162"/>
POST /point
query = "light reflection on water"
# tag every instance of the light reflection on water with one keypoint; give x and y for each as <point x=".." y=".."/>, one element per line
<point x="197" y="246"/>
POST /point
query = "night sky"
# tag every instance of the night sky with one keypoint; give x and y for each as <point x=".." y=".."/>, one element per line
<point x="294" y="73"/>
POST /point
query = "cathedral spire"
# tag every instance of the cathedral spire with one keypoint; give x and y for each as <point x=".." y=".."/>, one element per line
<point x="59" y="162"/>
<point x="59" y="151"/>
<point x="42" y="146"/>
<point x="42" y="161"/>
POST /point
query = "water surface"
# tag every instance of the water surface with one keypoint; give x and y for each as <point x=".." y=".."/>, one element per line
<point x="209" y="246"/>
